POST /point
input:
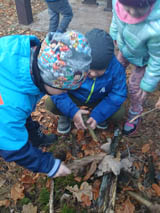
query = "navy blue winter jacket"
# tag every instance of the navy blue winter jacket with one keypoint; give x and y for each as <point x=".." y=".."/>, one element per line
<point x="18" y="98"/>
<point x="110" y="89"/>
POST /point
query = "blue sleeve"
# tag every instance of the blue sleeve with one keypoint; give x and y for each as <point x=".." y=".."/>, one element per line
<point x="117" y="95"/>
<point x="33" y="159"/>
<point x="64" y="103"/>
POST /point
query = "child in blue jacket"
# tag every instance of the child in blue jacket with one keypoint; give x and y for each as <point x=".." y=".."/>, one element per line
<point x="104" y="89"/>
<point x="135" y="28"/>
<point x="28" y="71"/>
<point x="55" y="9"/>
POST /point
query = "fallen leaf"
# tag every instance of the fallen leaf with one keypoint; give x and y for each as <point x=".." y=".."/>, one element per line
<point x="145" y="148"/>
<point x="108" y="164"/>
<point x="78" y="179"/>
<point x="69" y="156"/>
<point x="17" y="192"/>
<point x="91" y="171"/>
<point x="29" y="208"/>
<point x="156" y="188"/>
<point x="85" y="188"/>
<point x="27" y="179"/>
<point x="86" y="200"/>
<point x="106" y="147"/>
<point x="128" y="207"/>
<point x="95" y="189"/>
<point x="80" y="135"/>
<point x="5" y="203"/>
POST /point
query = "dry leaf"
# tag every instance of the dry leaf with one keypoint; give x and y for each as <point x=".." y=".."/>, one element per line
<point x="91" y="171"/>
<point x="78" y="179"/>
<point x="95" y="189"/>
<point x="85" y="188"/>
<point x="156" y="188"/>
<point x="80" y="135"/>
<point x="108" y="164"/>
<point x="86" y="200"/>
<point x="128" y="207"/>
<point x="69" y="156"/>
<point x="29" y="208"/>
<point x="106" y="147"/>
<point x="27" y="179"/>
<point x="145" y="148"/>
<point x="17" y="192"/>
<point x="5" y="203"/>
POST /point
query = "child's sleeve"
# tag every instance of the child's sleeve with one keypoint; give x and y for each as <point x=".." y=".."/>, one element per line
<point x="152" y="74"/>
<point x="65" y="104"/>
<point x="117" y="95"/>
<point x="113" y="28"/>
<point x="15" y="147"/>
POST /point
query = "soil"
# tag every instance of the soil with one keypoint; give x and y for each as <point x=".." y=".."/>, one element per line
<point x="144" y="147"/>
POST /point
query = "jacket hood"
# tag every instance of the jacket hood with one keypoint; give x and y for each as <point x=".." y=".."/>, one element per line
<point x="15" y="73"/>
<point x="155" y="13"/>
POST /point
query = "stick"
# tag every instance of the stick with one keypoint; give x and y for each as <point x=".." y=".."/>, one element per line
<point x="141" y="115"/>
<point x="91" y="131"/>
<point x="51" y="207"/>
<point x="153" y="207"/>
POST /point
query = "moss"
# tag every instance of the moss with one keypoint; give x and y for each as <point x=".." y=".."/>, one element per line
<point x="66" y="209"/>
<point x="25" y="201"/>
<point x="43" y="197"/>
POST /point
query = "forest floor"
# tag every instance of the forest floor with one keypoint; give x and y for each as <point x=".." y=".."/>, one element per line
<point x="22" y="191"/>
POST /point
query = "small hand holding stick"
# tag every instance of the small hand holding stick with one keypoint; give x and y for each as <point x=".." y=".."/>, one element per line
<point x="143" y="114"/>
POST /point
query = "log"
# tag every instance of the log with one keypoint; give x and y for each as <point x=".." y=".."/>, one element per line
<point x="107" y="195"/>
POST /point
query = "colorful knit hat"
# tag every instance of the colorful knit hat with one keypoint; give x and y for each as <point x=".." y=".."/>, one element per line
<point x="64" y="60"/>
<point x="137" y="3"/>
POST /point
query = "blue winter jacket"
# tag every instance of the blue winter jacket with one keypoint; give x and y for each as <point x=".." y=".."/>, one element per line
<point x="18" y="98"/>
<point x="110" y="89"/>
<point x="140" y="44"/>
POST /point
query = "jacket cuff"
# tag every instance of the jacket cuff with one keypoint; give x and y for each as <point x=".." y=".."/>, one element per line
<point x="147" y="87"/>
<point x="55" y="168"/>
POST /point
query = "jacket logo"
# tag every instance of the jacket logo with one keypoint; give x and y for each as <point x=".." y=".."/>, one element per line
<point x="1" y="100"/>
<point x="102" y="90"/>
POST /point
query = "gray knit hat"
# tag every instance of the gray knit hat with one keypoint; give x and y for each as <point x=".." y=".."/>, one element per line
<point x="102" y="48"/>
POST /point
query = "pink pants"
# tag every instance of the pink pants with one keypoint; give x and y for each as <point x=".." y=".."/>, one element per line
<point x="137" y="95"/>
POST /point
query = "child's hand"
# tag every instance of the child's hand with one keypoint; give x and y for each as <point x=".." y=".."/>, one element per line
<point x="92" y="123"/>
<point x="157" y="105"/>
<point x="62" y="171"/>
<point x="78" y="120"/>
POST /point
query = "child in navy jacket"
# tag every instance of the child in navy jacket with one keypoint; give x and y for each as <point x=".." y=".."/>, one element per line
<point x="104" y="89"/>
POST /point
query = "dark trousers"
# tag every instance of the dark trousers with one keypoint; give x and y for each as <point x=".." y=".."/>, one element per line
<point x="56" y="8"/>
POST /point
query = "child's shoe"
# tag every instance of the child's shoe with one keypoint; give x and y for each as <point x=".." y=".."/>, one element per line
<point x="130" y="128"/>
<point x="102" y="125"/>
<point x="64" y="125"/>
<point x="36" y="136"/>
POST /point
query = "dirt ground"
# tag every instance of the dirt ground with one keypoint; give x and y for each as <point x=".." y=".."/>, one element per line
<point x="144" y="147"/>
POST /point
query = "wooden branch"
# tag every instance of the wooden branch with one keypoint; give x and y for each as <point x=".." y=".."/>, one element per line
<point x="143" y="114"/>
<point x="79" y="163"/>
<point x="51" y="199"/>
<point x="91" y="131"/>
<point x="152" y="207"/>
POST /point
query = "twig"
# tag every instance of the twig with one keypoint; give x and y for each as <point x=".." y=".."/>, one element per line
<point x="91" y="131"/>
<point x="141" y="115"/>
<point x="51" y="207"/>
<point x="153" y="207"/>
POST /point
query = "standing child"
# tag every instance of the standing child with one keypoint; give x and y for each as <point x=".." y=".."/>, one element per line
<point x="28" y="71"/>
<point x="55" y="9"/>
<point x="135" y="28"/>
<point x="104" y="89"/>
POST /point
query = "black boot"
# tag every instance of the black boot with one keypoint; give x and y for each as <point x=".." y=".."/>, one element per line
<point x="36" y="136"/>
